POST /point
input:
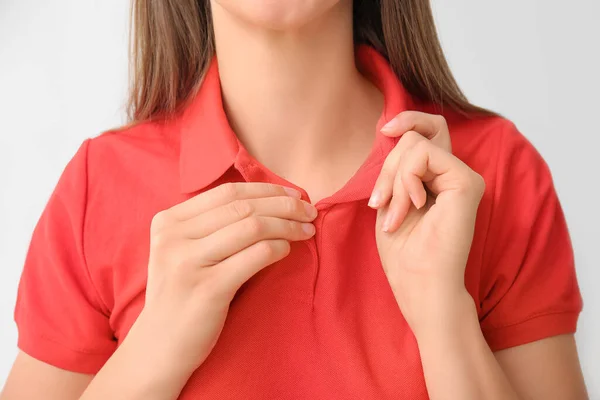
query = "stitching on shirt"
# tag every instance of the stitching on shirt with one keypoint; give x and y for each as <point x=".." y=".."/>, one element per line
<point x="319" y="245"/>
<point x="493" y="206"/>
<point x="532" y="317"/>
<point x="482" y="263"/>
<point x="96" y="292"/>
<point x="77" y="350"/>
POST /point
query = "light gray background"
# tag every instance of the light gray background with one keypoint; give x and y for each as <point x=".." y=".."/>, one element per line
<point x="63" y="78"/>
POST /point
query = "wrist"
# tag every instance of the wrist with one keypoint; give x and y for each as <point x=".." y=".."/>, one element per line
<point x="446" y="313"/>
<point x="141" y="368"/>
<point x="158" y="355"/>
<point x="456" y="358"/>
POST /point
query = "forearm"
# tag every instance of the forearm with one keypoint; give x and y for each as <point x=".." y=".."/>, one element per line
<point x="142" y="368"/>
<point x="457" y="362"/>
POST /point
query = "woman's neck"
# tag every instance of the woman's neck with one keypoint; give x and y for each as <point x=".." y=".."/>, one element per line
<point x="295" y="99"/>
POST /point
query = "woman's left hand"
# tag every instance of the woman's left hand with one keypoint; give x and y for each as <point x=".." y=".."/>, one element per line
<point x="427" y="201"/>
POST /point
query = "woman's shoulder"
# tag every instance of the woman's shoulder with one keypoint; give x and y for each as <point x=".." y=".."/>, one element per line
<point x="140" y="135"/>
<point x="491" y="144"/>
<point x="132" y="171"/>
<point x="132" y="150"/>
<point x="489" y="132"/>
<point x="477" y="136"/>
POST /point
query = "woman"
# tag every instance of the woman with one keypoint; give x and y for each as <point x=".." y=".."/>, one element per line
<point x="306" y="255"/>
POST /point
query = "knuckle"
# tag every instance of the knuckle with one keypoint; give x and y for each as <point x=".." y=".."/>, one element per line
<point x="442" y="138"/>
<point x="473" y="184"/>
<point x="159" y="221"/>
<point x="479" y="182"/>
<point x="229" y="190"/>
<point x="478" y="179"/>
<point x="411" y="136"/>
<point x="291" y="206"/>
<point x="275" y="190"/>
<point x="160" y="240"/>
<point x="255" y="226"/>
<point x="272" y="249"/>
<point x="241" y="208"/>
<point x="266" y="249"/>
<point x="287" y="248"/>
<point x="293" y="228"/>
<point x="441" y="120"/>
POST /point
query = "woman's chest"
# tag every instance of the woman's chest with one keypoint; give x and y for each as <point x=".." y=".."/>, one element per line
<point x="321" y="323"/>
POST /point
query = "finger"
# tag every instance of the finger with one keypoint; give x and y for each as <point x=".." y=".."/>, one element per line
<point x="284" y="207"/>
<point x="402" y="199"/>
<point x="447" y="177"/>
<point x="227" y="193"/>
<point x="242" y="234"/>
<point x="241" y="266"/>
<point x="433" y="127"/>
<point x="383" y="189"/>
<point x="384" y="186"/>
<point x="398" y="208"/>
<point x="438" y="169"/>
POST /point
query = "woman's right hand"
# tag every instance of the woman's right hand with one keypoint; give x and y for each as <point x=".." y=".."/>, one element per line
<point x="202" y="251"/>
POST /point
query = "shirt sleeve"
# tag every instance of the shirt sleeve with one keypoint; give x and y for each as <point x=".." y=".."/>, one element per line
<point x="530" y="289"/>
<point x="60" y="317"/>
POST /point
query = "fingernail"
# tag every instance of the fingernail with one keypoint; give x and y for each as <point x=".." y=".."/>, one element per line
<point x="375" y="199"/>
<point x="311" y="211"/>
<point x="388" y="222"/>
<point x="390" y="126"/>
<point x="413" y="201"/>
<point x="292" y="192"/>
<point x="309" y="229"/>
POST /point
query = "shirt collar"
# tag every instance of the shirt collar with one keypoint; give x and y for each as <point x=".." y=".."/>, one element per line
<point x="209" y="146"/>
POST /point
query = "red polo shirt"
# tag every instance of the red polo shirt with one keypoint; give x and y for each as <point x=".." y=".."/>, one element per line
<point x="323" y="324"/>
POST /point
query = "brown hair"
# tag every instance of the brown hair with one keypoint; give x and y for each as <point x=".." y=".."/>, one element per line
<point x="172" y="44"/>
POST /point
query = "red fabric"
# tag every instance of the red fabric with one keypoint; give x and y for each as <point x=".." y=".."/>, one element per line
<point x="320" y="324"/>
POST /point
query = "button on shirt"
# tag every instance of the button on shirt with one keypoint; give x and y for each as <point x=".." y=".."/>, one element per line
<point x="321" y="323"/>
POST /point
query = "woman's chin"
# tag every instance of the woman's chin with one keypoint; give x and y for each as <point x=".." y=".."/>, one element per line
<point x="279" y="15"/>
